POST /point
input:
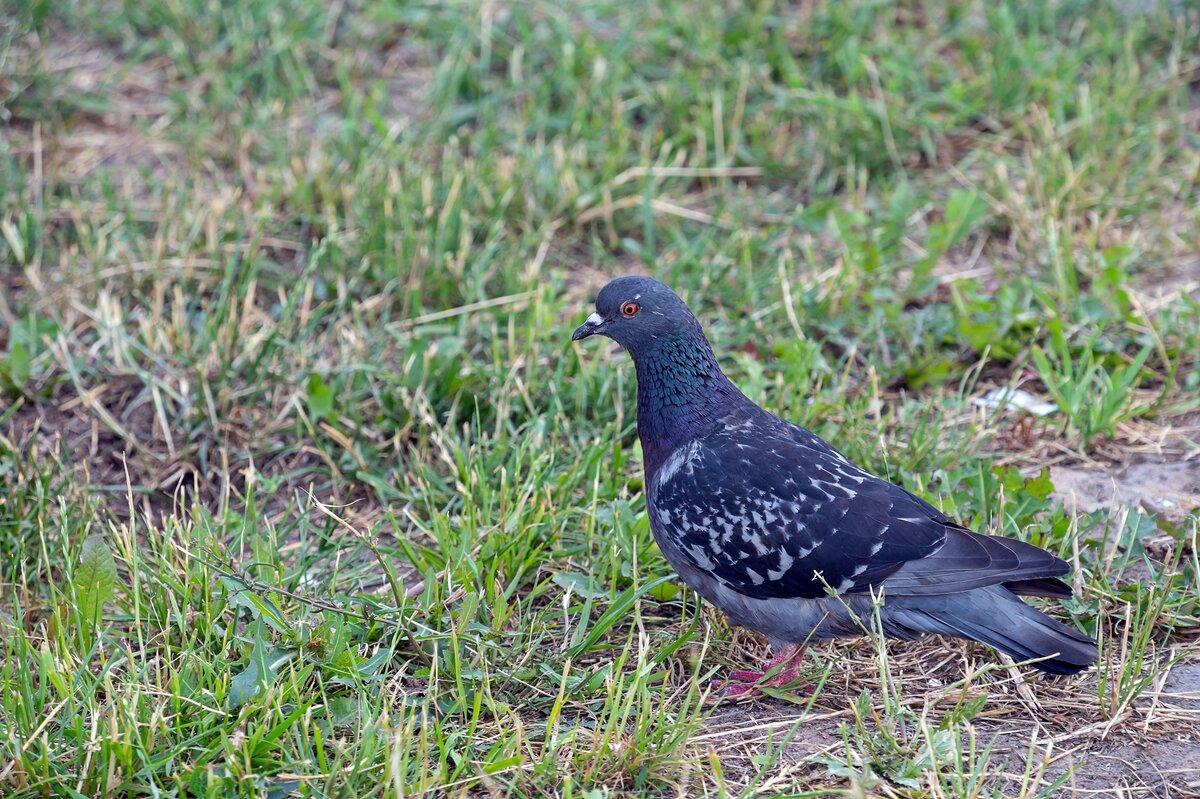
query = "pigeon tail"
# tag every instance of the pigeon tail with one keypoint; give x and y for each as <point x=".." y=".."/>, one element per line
<point x="996" y="617"/>
<point x="1041" y="586"/>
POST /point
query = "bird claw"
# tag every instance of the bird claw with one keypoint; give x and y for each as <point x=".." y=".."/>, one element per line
<point x="737" y="689"/>
<point x="750" y="684"/>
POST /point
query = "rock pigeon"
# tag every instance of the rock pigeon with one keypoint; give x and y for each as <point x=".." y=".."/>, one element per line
<point x="787" y="536"/>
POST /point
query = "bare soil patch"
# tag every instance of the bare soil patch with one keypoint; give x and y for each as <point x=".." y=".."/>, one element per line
<point x="112" y="438"/>
<point x="1170" y="488"/>
<point x="1146" y="750"/>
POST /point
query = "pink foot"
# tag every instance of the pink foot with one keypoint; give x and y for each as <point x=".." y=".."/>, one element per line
<point x="781" y="671"/>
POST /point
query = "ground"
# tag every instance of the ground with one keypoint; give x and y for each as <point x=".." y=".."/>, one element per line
<point x="305" y="491"/>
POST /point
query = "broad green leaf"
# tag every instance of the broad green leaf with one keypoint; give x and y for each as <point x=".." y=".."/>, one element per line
<point x="261" y="672"/>
<point x="665" y="592"/>
<point x="50" y="671"/>
<point x="17" y="367"/>
<point x="320" y="398"/>
<point x="260" y="607"/>
<point x="263" y="608"/>
<point x="95" y="578"/>
<point x="1040" y="486"/>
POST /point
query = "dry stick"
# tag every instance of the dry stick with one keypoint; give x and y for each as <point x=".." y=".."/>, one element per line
<point x="469" y="308"/>
<point x="319" y="604"/>
<point x="398" y="592"/>
<point x="686" y="172"/>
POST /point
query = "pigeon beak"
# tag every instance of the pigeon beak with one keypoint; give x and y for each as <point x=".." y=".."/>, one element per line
<point x="590" y="327"/>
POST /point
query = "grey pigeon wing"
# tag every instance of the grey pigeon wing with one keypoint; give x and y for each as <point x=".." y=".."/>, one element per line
<point x="771" y="516"/>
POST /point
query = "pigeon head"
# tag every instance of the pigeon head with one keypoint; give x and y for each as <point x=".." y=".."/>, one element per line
<point x="681" y="389"/>
<point x="639" y="313"/>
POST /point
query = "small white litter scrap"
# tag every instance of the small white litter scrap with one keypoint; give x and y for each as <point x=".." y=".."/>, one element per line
<point x="1016" y="398"/>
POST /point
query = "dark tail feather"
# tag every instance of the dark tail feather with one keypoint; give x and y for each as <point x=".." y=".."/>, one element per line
<point x="996" y="617"/>
<point x="1041" y="586"/>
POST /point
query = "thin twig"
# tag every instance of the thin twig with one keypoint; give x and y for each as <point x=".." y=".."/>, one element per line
<point x="323" y="605"/>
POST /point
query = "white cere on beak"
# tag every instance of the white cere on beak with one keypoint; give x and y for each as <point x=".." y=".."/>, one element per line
<point x="594" y="319"/>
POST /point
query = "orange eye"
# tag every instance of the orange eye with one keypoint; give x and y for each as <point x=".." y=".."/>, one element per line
<point x="629" y="309"/>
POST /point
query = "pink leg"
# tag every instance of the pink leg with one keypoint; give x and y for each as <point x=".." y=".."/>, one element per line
<point x="786" y="666"/>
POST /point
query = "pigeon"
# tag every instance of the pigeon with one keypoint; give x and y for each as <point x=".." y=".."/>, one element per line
<point x="781" y="531"/>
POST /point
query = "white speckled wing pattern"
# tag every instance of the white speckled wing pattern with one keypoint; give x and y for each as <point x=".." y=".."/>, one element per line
<point x="772" y="511"/>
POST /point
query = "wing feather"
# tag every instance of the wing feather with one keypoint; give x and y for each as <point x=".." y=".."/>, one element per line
<point x="772" y="511"/>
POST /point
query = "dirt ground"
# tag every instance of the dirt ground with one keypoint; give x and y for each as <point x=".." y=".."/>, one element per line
<point x="1151" y="749"/>
<point x="1166" y="488"/>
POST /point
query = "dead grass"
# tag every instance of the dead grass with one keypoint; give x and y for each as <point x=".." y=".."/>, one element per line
<point x="1143" y="750"/>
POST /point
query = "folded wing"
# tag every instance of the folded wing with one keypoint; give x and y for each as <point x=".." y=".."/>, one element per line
<point x="771" y="514"/>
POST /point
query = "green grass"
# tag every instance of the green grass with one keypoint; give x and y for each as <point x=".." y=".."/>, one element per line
<point x="304" y="489"/>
